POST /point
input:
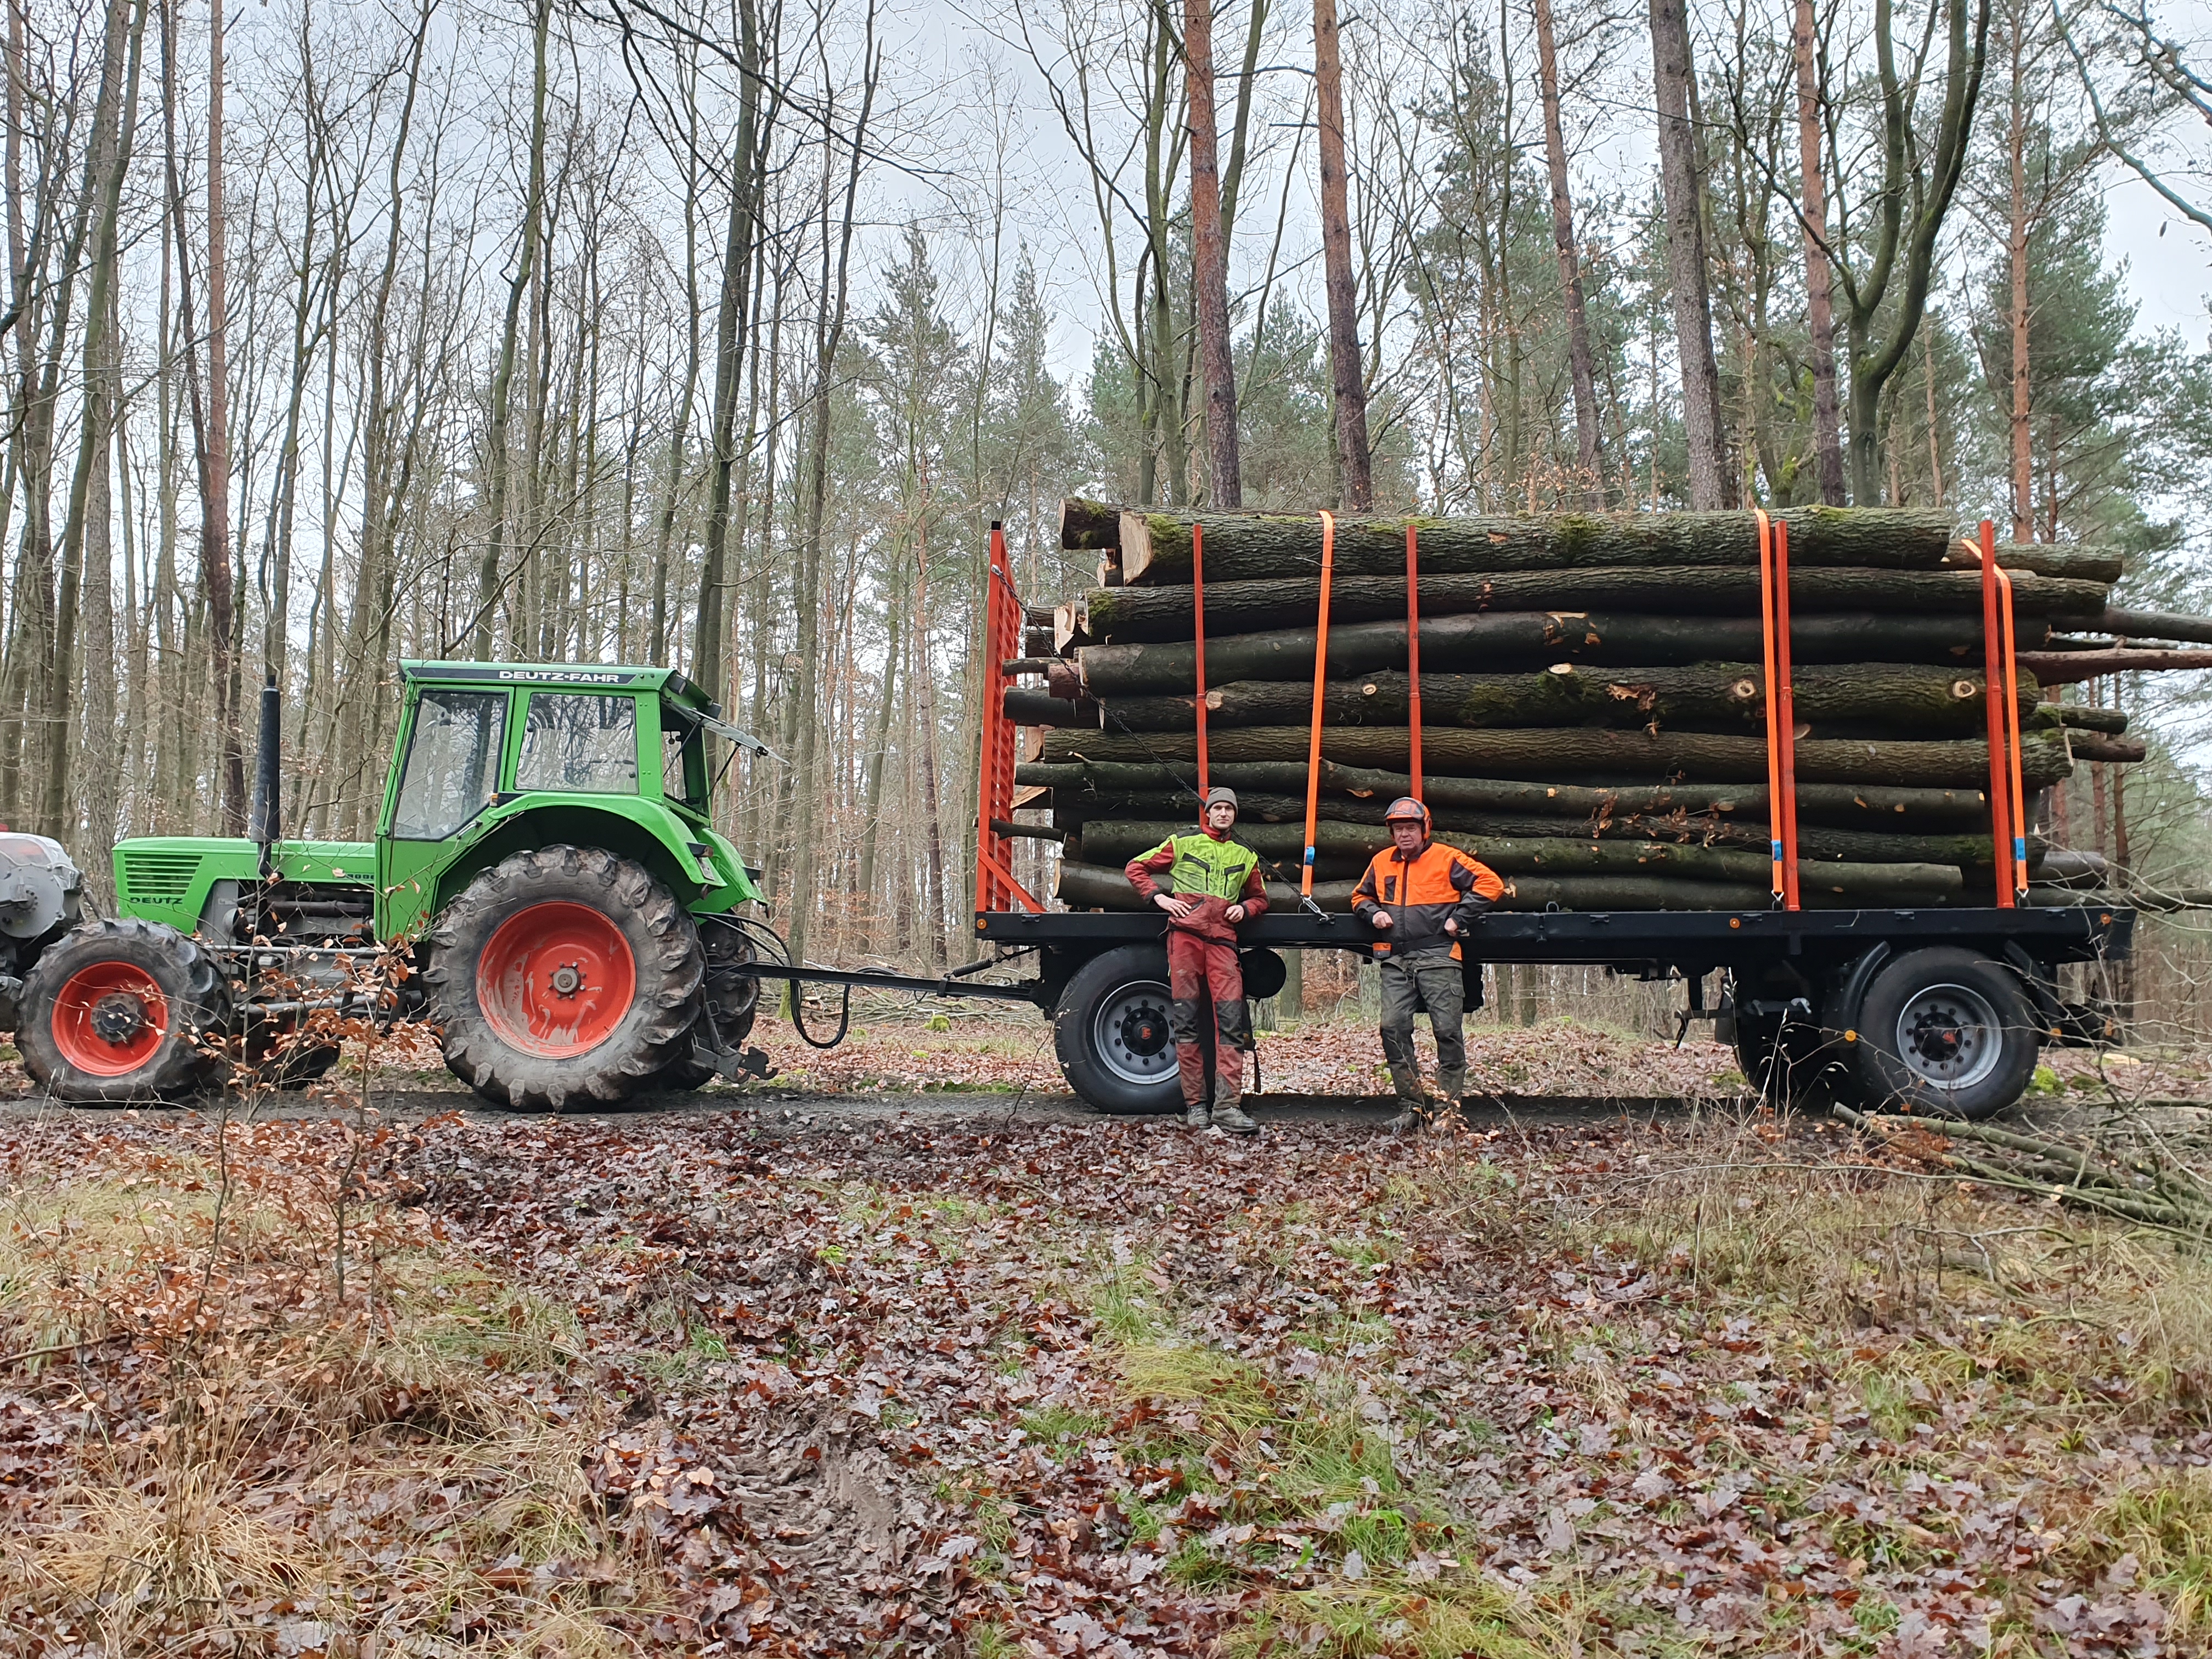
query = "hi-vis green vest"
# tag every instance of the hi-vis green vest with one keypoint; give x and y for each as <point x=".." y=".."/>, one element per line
<point x="1206" y="868"/>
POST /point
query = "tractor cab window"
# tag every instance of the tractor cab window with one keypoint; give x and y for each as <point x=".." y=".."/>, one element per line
<point x="579" y="740"/>
<point x="682" y="761"/>
<point x="453" y="762"/>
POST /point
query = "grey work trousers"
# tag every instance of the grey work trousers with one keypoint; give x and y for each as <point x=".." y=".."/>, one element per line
<point x="1430" y="981"/>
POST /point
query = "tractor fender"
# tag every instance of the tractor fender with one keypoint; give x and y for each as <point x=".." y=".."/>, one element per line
<point x="632" y="827"/>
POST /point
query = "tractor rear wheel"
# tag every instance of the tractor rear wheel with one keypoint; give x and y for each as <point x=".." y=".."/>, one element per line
<point x="564" y="976"/>
<point x="113" y="1014"/>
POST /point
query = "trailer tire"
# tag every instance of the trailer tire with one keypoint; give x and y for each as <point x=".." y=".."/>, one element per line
<point x="1946" y="1031"/>
<point x="112" y="1014"/>
<point x="620" y="971"/>
<point x="1110" y="1033"/>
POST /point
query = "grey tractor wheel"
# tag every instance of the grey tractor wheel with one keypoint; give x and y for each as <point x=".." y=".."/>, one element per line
<point x="1111" y="1034"/>
<point x="564" y="976"/>
<point x="115" y="1012"/>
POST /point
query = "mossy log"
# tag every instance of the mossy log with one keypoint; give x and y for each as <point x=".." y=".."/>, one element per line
<point x="1863" y="805"/>
<point x="1123" y="615"/>
<point x="1717" y="695"/>
<point x="2065" y="667"/>
<point x="1553" y="752"/>
<point x="2076" y="562"/>
<point x="1025" y="706"/>
<point x="1529" y="639"/>
<point x="2078" y="717"/>
<point x="1155" y="547"/>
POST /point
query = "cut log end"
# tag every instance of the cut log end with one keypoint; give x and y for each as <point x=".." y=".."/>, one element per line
<point x="1133" y="535"/>
<point x="1087" y="526"/>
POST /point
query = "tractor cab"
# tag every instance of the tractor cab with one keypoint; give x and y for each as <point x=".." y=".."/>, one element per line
<point x="492" y="758"/>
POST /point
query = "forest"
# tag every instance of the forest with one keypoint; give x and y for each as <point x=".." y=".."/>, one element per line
<point x="718" y="335"/>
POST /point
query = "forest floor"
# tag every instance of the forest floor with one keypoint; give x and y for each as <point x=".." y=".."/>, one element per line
<point x="858" y="1361"/>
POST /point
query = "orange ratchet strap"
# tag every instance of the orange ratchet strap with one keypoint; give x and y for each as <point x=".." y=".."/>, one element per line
<point x="2008" y="808"/>
<point x="1320" y="675"/>
<point x="1413" y="646"/>
<point x="1198" y="602"/>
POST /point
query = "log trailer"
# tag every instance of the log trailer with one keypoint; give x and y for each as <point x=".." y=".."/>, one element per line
<point x="1941" y="1009"/>
<point x="547" y="887"/>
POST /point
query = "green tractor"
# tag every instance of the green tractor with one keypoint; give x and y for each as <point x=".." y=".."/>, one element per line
<point x="543" y="862"/>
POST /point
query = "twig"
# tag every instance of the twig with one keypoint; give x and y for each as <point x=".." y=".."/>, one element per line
<point x="61" y="1347"/>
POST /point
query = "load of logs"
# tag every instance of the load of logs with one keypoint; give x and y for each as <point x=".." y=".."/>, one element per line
<point x="1593" y="703"/>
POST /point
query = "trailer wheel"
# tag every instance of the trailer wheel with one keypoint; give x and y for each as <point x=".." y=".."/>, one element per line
<point x="1946" y="1031"/>
<point x="113" y="1013"/>
<point x="564" y="974"/>
<point x="1110" y="1031"/>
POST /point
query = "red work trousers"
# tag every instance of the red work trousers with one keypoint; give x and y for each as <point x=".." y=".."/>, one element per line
<point x="1195" y="967"/>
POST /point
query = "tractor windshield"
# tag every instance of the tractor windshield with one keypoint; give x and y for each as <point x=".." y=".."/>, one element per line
<point x="683" y="759"/>
<point x="453" y="762"/>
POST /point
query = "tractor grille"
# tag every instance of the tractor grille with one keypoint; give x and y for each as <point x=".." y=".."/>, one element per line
<point x="159" y="875"/>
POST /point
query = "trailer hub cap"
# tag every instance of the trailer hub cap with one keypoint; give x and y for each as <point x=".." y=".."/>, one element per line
<point x="1950" y="1037"/>
<point x="110" y="1018"/>
<point x="1132" y="1035"/>
<point x="556" y="979"/>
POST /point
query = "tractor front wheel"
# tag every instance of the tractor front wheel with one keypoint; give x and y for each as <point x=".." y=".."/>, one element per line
<point x="114" y="1012"/>
<point x="564" y="976"/>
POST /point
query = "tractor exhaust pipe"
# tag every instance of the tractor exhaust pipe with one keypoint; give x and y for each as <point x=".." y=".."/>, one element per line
<point x="261" y="815"/>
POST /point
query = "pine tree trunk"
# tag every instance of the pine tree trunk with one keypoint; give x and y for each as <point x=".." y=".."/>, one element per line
<point x="1828" y="431"/>
<point x="1590" y="456"/>
<point x="1210" y="263"/>
<point x="1347" y="373"/>
<point x="1673" y="65"/>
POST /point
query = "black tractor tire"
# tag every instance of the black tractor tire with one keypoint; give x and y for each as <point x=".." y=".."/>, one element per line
<point x="1110" y="1032"/>
<point x="279" y="1059"/>
<point x="564" y="976"/>
<point x="116" y="1013"/>
<point x="1945" y="1031"/>
<point x="731" y="1003"/>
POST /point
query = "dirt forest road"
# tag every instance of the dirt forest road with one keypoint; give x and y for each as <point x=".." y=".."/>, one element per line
<point x="849" y="1364"/>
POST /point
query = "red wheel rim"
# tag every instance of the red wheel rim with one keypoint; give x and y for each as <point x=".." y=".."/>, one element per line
<point x="110" y="1018"/>
<point x="555" y="980"/>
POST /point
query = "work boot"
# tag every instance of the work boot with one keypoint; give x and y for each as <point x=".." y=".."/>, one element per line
<point x="1408" y="1122"/>
<point x="1228" y="1114"/>
<point x="1195" y="1116"/>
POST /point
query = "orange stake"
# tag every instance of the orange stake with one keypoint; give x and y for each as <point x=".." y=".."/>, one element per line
<point x="1773" y="701"/>
<point x="1414" y="645"/>
<point x="1198" y="602"/>
<point x="2012" y="713"/>
<point x="1321" y="676"/>
<point x="1785" y="721"/>
<point x="2009" y="847"/>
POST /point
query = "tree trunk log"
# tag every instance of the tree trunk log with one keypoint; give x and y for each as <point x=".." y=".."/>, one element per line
<point x="1091" y="886"/>
<point x="1025" y="707"/>
<point x="1089" y="526"/>
<point x="2126" y="624"/>
<point x="1533" y="640"/>
<point x="2063" y="667"/>
<point x="1723" y="696"/>
<point x="1507" y="844"/>
<point x="1124" y="615"/>
<point x="2092" y="746"/>
<point x="1580" y="752"/>
<point x="1861" y="806"/>
<point x="2089" y="564"/>
<point x="1270" y="546"/>
<point x="2072" y="716"/>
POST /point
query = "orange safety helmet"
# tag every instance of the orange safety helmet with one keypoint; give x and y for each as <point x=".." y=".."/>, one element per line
<point x="1407" y="807"/>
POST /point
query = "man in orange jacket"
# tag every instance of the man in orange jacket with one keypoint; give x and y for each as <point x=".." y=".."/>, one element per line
<point x="1421" y="896"/>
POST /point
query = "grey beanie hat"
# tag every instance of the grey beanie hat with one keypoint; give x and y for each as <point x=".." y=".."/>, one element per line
<point x="1220" y="795"/>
